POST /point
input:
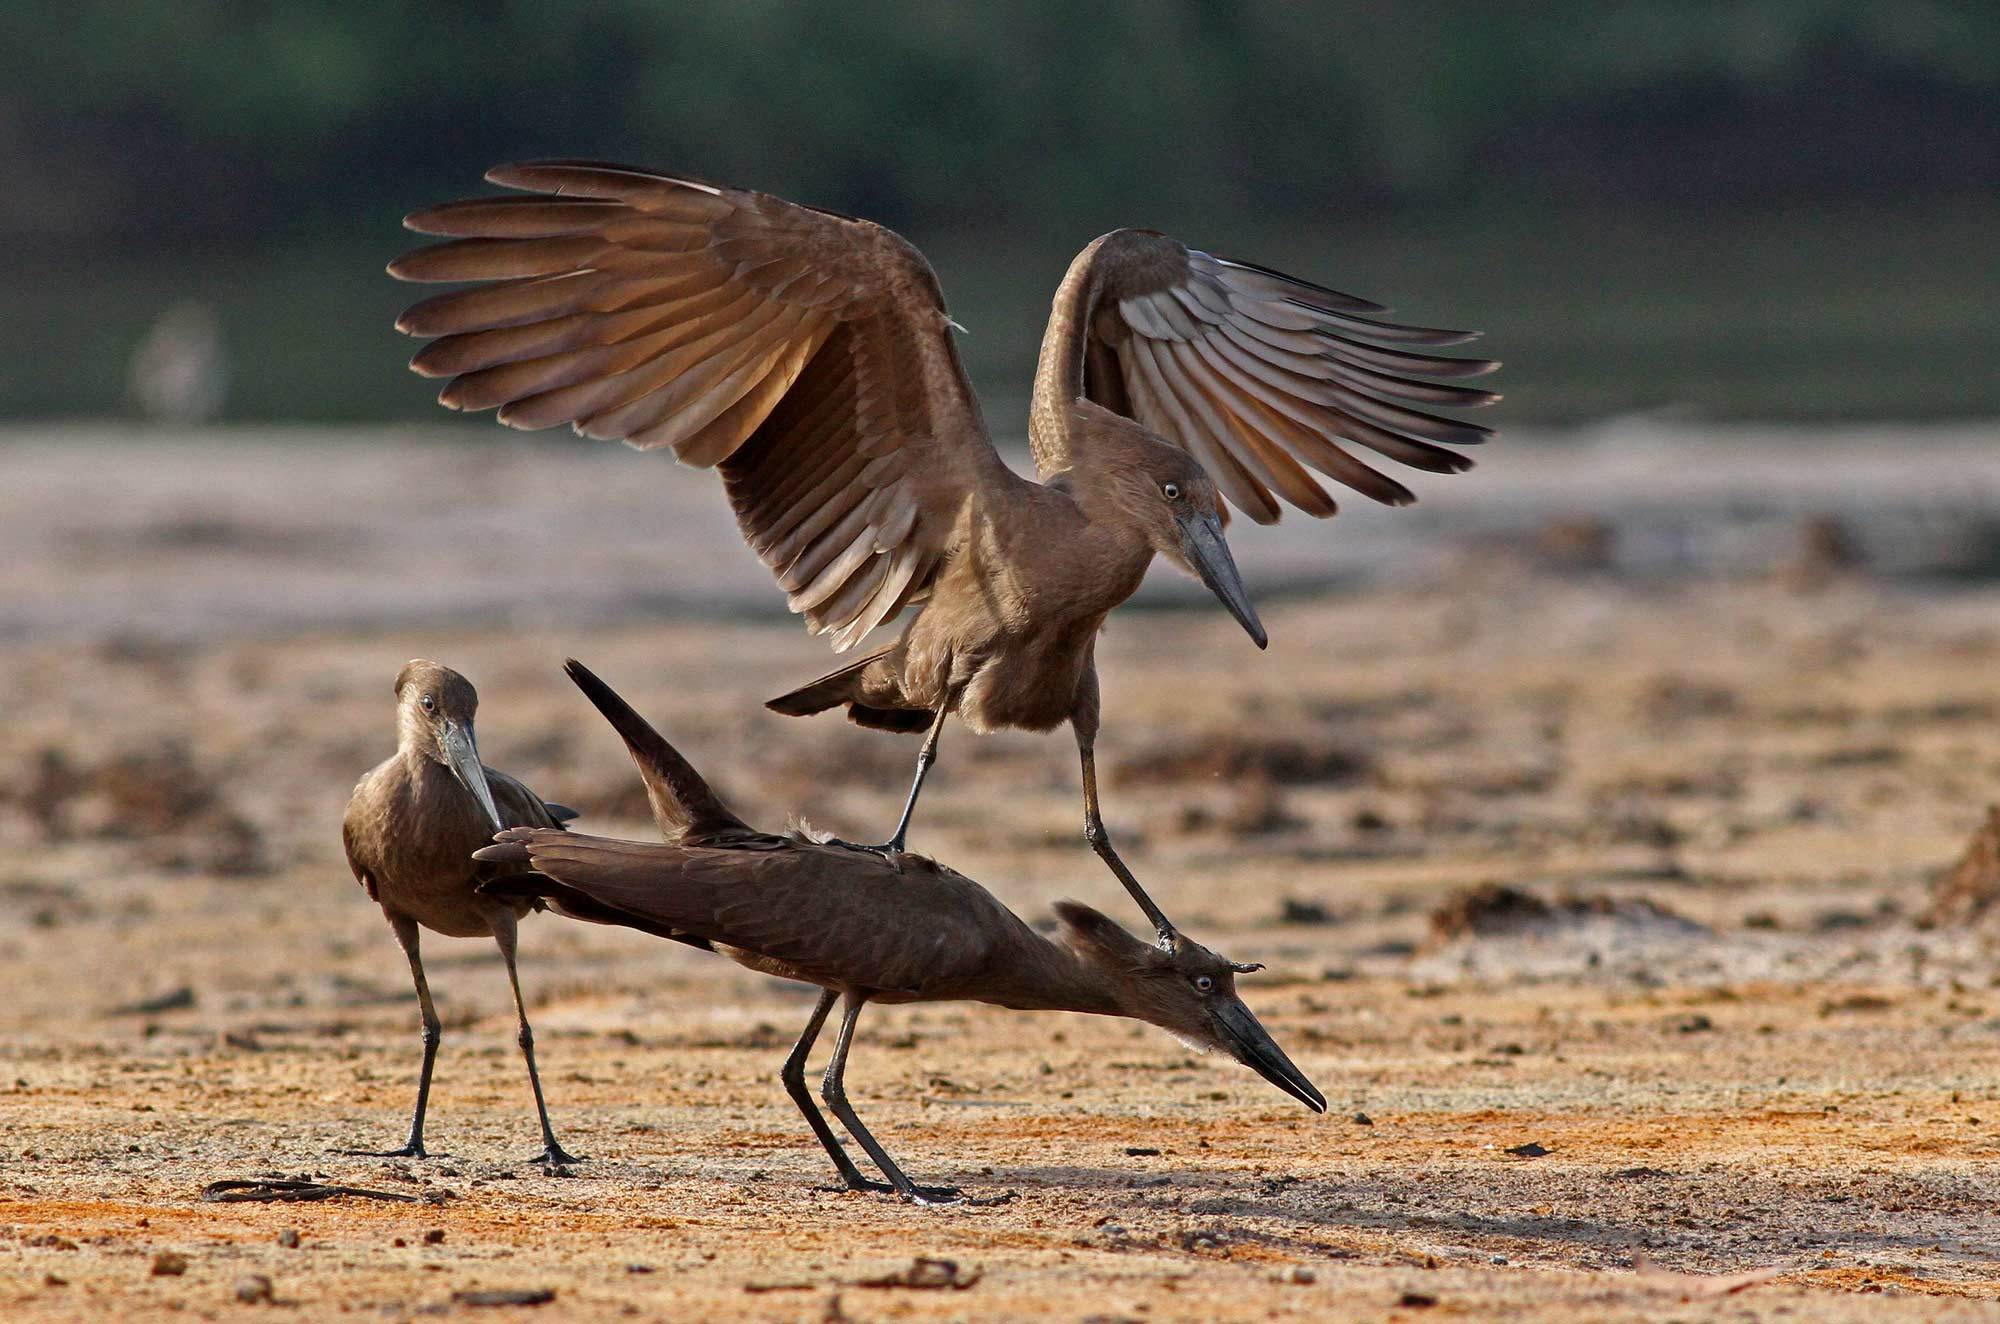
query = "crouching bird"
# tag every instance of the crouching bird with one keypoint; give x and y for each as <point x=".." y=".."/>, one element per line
<point x="410" y="832"/>
<point x="865" y="929"/>
<point x="808" y="356"/>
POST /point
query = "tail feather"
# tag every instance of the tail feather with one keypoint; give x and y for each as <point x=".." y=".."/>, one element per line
<point x="683" y="803"/>
<point x="843" y="687"/>
<point x="829" y="691"/>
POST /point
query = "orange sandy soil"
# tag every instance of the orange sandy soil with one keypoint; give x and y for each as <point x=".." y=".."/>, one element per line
<point x="1784" y="1103"/>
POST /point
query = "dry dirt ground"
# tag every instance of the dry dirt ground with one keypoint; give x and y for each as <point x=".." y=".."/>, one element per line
<point x="1726" y="1075"/>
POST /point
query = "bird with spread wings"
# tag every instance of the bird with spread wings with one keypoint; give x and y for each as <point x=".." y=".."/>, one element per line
<point x="809" y="357"/>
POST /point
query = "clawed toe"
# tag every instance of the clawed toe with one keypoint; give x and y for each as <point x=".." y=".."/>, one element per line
<point x="945" y="1196"/>
<point x="407" y="1151"/>
<point x="862" y="1184"/>
<point x="934" y="1195"/>
<point x="888" y="850"/>
<point x="555" y="1156"/>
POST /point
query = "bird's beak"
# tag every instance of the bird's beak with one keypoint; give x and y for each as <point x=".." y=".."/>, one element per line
<point x="1208" y="555"/>
<point x="461" y="755"/>
<point x="1249" y="1044"/>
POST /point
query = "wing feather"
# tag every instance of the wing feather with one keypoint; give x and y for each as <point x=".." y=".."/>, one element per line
<point x="1260" y="375"/>
<point x="1273" y="466"/>
<point x="788" y="347"/>
<point x="819" y="910"/>
<point x="1160" y="409"/>
<point x="511" y="218"/>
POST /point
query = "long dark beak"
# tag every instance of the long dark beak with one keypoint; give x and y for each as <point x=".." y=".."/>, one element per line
<point x="461" y="755"/>
<point x="1202" y="544"/>
<point x="1249" y="1044"/>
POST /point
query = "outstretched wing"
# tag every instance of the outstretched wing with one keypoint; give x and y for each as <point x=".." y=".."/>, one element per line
<point x="804" y="353"/>
<point x="1256" y="373"/>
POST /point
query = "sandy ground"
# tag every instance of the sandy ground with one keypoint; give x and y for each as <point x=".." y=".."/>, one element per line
<point x="1742" y="1081"/>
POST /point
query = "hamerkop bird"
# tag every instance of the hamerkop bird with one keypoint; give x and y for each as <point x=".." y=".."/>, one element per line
<point x="866" y="929"/>
<point x="808" y="356"/>
<point x="410" y="832"/>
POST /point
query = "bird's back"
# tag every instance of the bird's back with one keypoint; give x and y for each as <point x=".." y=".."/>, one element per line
<point x="828" y="915"/>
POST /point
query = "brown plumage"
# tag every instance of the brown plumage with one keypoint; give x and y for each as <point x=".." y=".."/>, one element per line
<point x="410" y="832"/>
<point x="866" y="928"/>
<point x="808" y="356"/>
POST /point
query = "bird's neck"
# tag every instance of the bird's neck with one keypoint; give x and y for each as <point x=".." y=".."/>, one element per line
<point x="420" y="766"/>
<point x="414" y="738"/>
<point x="1059" y="373"/>
<point x="1057" y="979"/>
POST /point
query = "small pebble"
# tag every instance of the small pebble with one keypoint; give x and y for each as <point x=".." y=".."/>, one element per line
<point x="289" y="1238"/>
<point x="1301" y="1274"/>
<point x="253" y="1289"/>
<point x="169" y="1264"/>
<point x="434" y="1237"/>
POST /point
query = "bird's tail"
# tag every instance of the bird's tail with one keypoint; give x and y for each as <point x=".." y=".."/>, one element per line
<point x="829" y="691"/>
<point x="683" y="803"/>
<point x="843" y="687"/>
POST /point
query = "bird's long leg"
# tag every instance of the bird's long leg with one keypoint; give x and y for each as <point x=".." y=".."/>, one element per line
<point x="1100" y="841"/>
<point x="926" y="758"/>
<point x="407" y="934"/>
<point x="834" y="1090"/>
<point x="504" y="933"/>
<point x="794" y="1076"/>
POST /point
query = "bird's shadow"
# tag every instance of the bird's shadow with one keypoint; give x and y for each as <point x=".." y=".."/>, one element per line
<point x="1196" y="1210"/>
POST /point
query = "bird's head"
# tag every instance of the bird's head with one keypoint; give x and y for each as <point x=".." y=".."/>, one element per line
<point x="434" y="711"/>
<point x="1181" y="511"/>
<point x="1186" y="990"/>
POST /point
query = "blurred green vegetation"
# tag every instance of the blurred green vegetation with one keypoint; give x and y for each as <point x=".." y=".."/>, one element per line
<point x="1765" y="207"/>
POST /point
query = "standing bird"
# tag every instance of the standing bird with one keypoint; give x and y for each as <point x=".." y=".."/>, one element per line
<point x="808" y="356"/>
<point x="410" y="832"/>
<point x="865" y="929"/>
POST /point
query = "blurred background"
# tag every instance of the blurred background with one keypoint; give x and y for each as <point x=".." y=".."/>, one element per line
<point x="1745" y="208"/>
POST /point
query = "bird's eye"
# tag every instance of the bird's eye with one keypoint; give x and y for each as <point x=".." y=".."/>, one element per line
<point x="428" y="702"/>
<point x="1171" y="491"/>
<point x="1203" y="984"/>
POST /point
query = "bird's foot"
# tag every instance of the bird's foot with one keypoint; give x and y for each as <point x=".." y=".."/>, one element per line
<point x="941" y="1196"/>
<point x="554" y="1156"/>
<point x="926" y="1196"/>
<point x="933" y="1196"/>
<point x="888" y="850"/>
<point x="414" y="1149"/>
